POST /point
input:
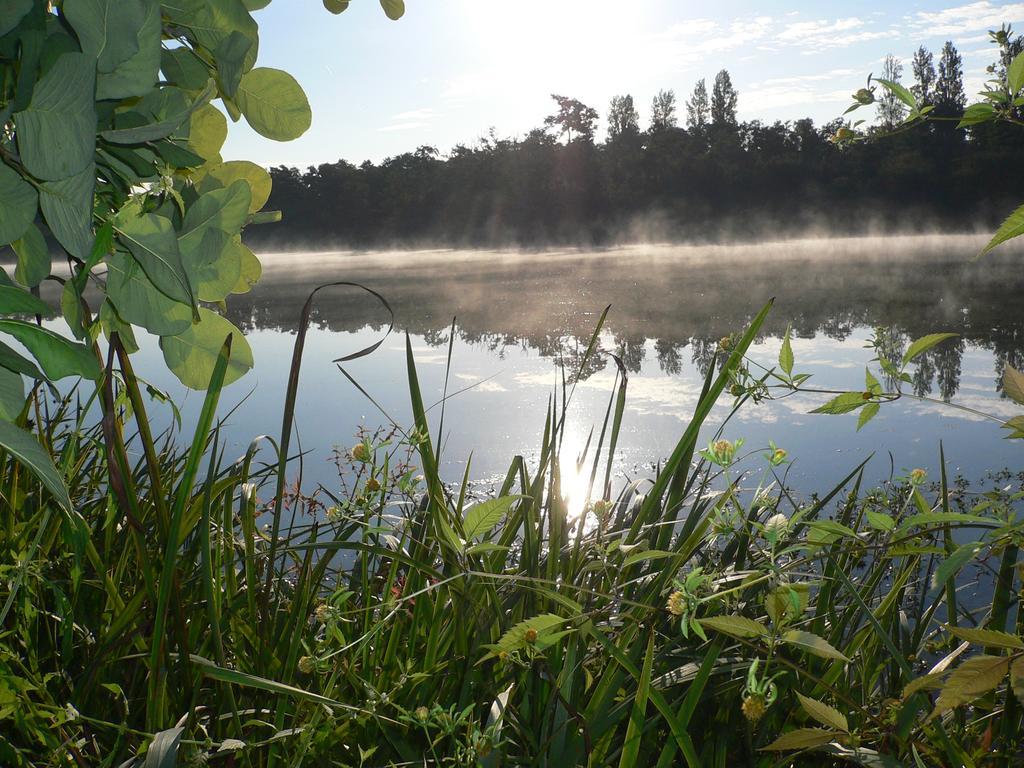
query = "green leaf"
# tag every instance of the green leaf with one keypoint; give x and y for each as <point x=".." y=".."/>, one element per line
<point x="67" y="206"/>
<point x="13" y="361"/>
<point x="71" y="308"/>
<point x="482" y="517"/>
<point x="394" y="9"/>
<point x="823" y="713"/>
<point x="801" y="738"/>
<point x="1016" y="427"/>
<point x="844" y="403"/>
<point x="12" y="394"/>
<point x="163" y="749"/>
<point x="952" y="565"/>
<point x="880" y="521"/>
<point x="221" y="209"/>
<point x="230" y="57"/>
<point x="975" y="677"/>
<point x="225" y="174"/>
<point x="192" y="355"/>
<point x="274" y="104"/>
<point x="152" y="241"/>
<point x="813" y="644"/>
<point x="106" y="29"/>
<point x="1017" y="678"/>
<point x="786" y="353"/>
<point x="1013" y="384"/>
<point x="735" y="626"/>
<point x="867" y="414"/>
<point x="136" y="75"/>
<point x="515" y="638"/>
<point x="252" y="270"/>
<point x="34" y="263"/>
<point x="208" y="128"/>
<point x="975" y="114"/>
<point x="210" y="21"/>
<point x="57" y="131"/>
<point x="57" y="356"/>
<point x="635" y="728"/>
<point x="1009" y="229"/>
<point x="213" y="264"/>
<point x="30" y="454"/>
<point x="15" y="301"/>
<point x="646" y="555"/>
<point x="184" y="69"/>
<point x="18" y="202"/>
<point x="11" y="14"/>
<point x="112" y="323"/>
<point x="336" y="6"/>
<point x="988" y="637"/>
<point x="1015" y="74"/>
<point x="899" y="91"/>
<point x="157" y="116"/>
<point x="925" y="343"/>
<point x="234" y="677"/>
<point x="138" y="301"/>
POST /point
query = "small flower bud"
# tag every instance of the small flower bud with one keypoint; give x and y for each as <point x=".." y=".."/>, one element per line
<point x="676" y="604"/>
<point x="372" y="485"/>
<point x="530" y="636"/>
<point x="422" y="713"/>
<point x="776" y="525"/>
<point x="306" y="665"/>
<point x="918" y="476"/>
<point x="754" y="707"/>
<point x="360" y="452"/>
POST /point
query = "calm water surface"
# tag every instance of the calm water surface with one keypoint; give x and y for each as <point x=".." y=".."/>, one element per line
<point x="519" y="316"/>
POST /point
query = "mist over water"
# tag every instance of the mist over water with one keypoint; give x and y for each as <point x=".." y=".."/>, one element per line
<point x="519" y="316"/>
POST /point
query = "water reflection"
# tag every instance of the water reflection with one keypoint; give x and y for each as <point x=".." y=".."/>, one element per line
<point x="683" y="299"/>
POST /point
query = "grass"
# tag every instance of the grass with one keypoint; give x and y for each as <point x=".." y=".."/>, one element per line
<point x="198" y="610"/>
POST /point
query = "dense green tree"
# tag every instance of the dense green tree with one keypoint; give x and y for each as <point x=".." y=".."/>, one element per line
<point x="724" y="98"/>
<point x="623" y="119"/>
<point x="698" y="108"/>
<point x="923" y="68"/>
<point x="950" y="98"/>
<point x="663" y="111"/>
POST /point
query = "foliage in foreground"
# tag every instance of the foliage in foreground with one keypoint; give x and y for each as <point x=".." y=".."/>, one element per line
<point x="702" y="617"/>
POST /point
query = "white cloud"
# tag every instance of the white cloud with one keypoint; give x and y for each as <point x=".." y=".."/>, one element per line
<point x="970" y="17"/>
<point x="820" y="35"/>
<point x="410" y="120"/>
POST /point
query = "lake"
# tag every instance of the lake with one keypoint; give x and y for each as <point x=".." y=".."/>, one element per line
<point x="517" y="316"/>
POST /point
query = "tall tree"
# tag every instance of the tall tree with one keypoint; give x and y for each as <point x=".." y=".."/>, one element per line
<point x="663" y="111"/>
<point x="572" y="117"/>
<point x="723" y="100"/>
<point x="949" y="88"/>
<point x="623" y="119"/>
<point x="890" y="108"/>
<point x="923" y="68"/>
<point x="698" y="109"/>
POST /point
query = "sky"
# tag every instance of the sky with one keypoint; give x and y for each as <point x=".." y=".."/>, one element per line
<point x="451" y="71"/>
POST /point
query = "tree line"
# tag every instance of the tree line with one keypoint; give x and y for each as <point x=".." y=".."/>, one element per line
<point x="712" y="177"/>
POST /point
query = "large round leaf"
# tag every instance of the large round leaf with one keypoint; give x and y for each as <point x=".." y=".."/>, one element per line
<point x="274" y="104"/>
<point x="34" y="263"/>
<point x="106" y="29"/>
<point x="251" y="270"/>
<point x="183" y="68"/>
<point x="192" y="355"/>
<point x="214" y="264"/>
<point x="211" y="21"/>
<point x="139" y="302"/>
<point x="57" y="131"/>
<point x="137" y="75"/>
<point x="336" y="6"/>
<point x="226" y="174"/>
<point x="67" y="207"/>
<point x="222" y="209"/>
<point x="153" y="242"/>
<point x="57" y="356"/>
<point x="18" y="202"/>
<point x="208" y="128"/>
